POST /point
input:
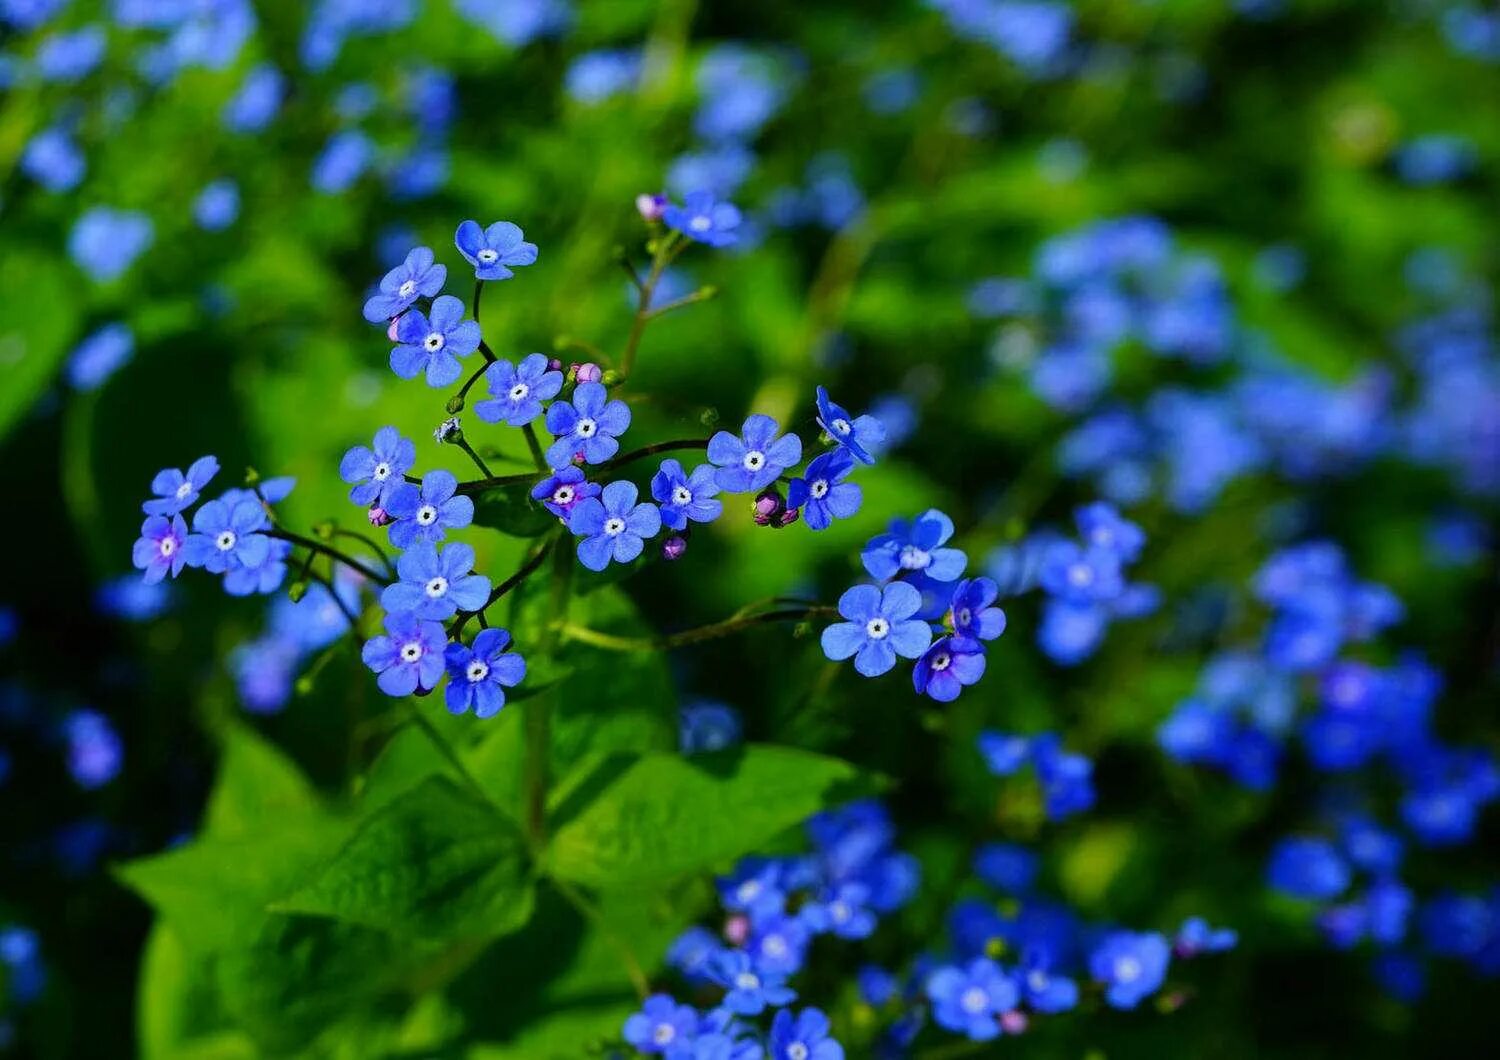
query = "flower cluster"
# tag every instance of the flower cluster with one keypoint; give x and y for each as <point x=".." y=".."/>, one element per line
<point x="1066" y="778"/>
<point x="1085" y="584"/>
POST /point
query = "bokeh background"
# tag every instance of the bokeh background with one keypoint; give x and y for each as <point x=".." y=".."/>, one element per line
<point x="197" y="195"/>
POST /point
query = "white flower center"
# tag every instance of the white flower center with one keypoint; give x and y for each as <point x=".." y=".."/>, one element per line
<point x="488" y="256"/>
<point x="841" y="426"/>
<point x="877" y="628"/>
<point x="562" y="495"/>
<point x="406" y="289"/>
<point x="965" y="616"/>
<point x="519" y="392"/>
<point x="774" y="946"/>
<point x="1127" y="969"/>
<point x="1037" y="980"/>
<point x="411" y="651"/>
<point x="184" y="491"/>
<point x="914" y="558"/>
<point x="754" y="460"/>
<point x="682" y="495"/>
<point x="748" y="891"/>
<point x="818" y="490"/>
<point x="839" y="911"/>
<point x="427" y="515"/>
<point x="436" y="587"/>
<point x="701" y="223"/>
<point x="974" y="1000"/>
<point x="614" y="527"/>
<point x="166" y="546"/>
<point x="941" y="661"/>
<point x="586" y="428"/>
<point x="478" y="670"/>
<point x="225" y="541"/>
<point x="382" y="471"/>
<point x="664" y="1032"/>
<point x="1080" y="574"/>
<point x="434" y="341"/>
<point x="797" y="1051"/>
<point x="747" y="981"/>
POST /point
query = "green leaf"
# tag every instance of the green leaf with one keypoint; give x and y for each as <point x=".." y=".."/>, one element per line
<point x="177" y="1012"/>
<point x="511" y="510"/>
<point x="257" y="786"/>
<point x="665" y="815"/>
<point x="436" y="863"/>
<point x="33" y="344"/>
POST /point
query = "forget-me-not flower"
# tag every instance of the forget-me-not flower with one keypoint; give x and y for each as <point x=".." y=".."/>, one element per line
<point x="755" y="459"/>
<point x="879" y="628"/>
<point x="821" y="491"/>
<point x="374" y="473"/>
<point x="684" y="497"/>
<point x="493" y="251"/>
<point x="589" y="425"/>
<point x="861" y="435"/>
<point x="478" y="676"/>
<point x="915" y="545"/>
<point x="426" y="514"/>
<point x="416" y="277"/>
<point x="613" y="526"/>
<point x="436" y="584"/>
<point x="408" y="655"/>
<point x="517" y="392"/>
<point x="434" y="343"/>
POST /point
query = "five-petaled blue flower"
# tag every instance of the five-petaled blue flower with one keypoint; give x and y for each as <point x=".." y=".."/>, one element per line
<point x="662" y="1025"/>
<point x="493" y="250"/>
<point x="408" y="656"/>
<point x="436" y="584"/>
<point x="858" y="434"/>
<point x="748" y="992"/>
<point x="589" y="425"/>
<point x="176" y="491"/>
<point x="969" y="1000"/>
<point x="434" y="343"/>
<point x="1081" y="575"/>
<point x="880" y="627"/>
<point x="1102" y="527"/>
<point x="518" y="392"/>
<point x="416" y="277"/>
<point x="915" y="545"/>
<point x="1196" y="936"/>
<point x="428" y="513"/>
<point x="1044" y="991"/>
<point x="946" y="667"/>
<point x="822" y="493"/>
<point x="224" y="537"/>
<point x="374" y="473"/>
<point x="703" y="218"/>
<point x="160" y="547"/>
<point x="803" y="1037"/>
<point x="974" y="619"/>
<point x="1131" y="966"/>
<point x="479" y="676"/>
<point x="685" y="497"/>
<point x="613" y="526"/>
<point x="563" y="490"/>
<point x="755" y="459"/>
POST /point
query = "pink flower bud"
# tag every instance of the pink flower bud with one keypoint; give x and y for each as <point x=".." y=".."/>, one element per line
<point x="554" y="365"/>
<point x="788" y="517"/>
<point x="1014" y="1021"/>
<point x="768" y="507"/>
<point x="651" y="207"/>
<point x="390" y="332"/>
<point x="737" y="929"/>
<point x="588" y="372"/>
<point x="379" y="516"/>
<point x="673" y="547"/>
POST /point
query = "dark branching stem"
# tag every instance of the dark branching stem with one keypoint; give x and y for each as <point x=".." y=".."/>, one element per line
<point x="611" y="642"/>
<point x="500" y="481"/>
<point x="329" y="551"/>
<point x="368" y="542"/>
<point x="463" y="443"/>
<point x="527" y="570"/>
<point x="535" y="446"/>
<point x="478" y="293"/>
<point x="463" y="391"/>
<point x="327" y="583"/>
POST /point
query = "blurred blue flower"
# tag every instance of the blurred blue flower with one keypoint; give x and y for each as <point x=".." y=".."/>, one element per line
<point x="104" y="242"/>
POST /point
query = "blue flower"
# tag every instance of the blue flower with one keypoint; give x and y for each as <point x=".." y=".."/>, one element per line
<point x="861" y="435"/>
<point x="99" y="356"/>
<point x="778" y="944"/>
<point x="661" y="1025"/>
<point x="969" y="1000"/>
<point x="53" y="160"/>
<point x="253" y="107"/>
<point x="588" y="426"/>
<point x="974" y="620"/>
<point x="1131" y="966"/>
<point x="803" y="1037"/>
<point x="706" y="727"/>
<point x="494" y="249"/>
<point x="436" y="584"/>
<point x="946" y="667"/>
<point x="754" y="460"/>
<point x="95" y="751"/>
<point x="374" y="473"/>
<point x="705" y="220"/>
<point x="429" y="513"/>
<point x="1308" y="868"/>
<point x="105" y="242"/>
<point x="843" y="910"/>
<point x="416" y="277"/>
<point x="1195" y="937"/>
<point x="159" y="550"/>
<point x="876" y="985"/>
<point x="1003" y="753"/>
<point x="1081" y="576"/>
<point x="756" y="888"/>
<point x="344" y="158"/>
<point x="518" y="393"/>
<point x="263" y="577"/>
<point x="685" y="497"/>
<point x="562" y="491"/>
<point x="1102" y="527"/>
<point x="613" y="526"/>
<point x="478" y="676"/>
<point x="1071" y="632"/>
<point x="1066" y="779"/>
<point x="1044" y="991"/>
<point x="915" y="545"/>
<point x="435" y="343"/>
<point x="69" y="57"/>
<point x="822" y="493"/>
<point x="880" y="627"/>
<point x="1006" y="866"/>
<point x="1368" y="846"/>
<point x="224" y="537"/>
<point x="749" y="993"/>
<point x="408" y="656"/>
<point x="217" y="206"/>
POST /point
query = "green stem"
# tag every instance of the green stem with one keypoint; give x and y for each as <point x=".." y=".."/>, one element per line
<point x="463" y="443"/>
<point x="668" y="247"/>
<point x="445" y="748"/>
<point x="500" y="481"/>
<point x="527" y="569"/>
<point x="368" y="542"/>
<point x="478" y="293"/>
<point x="627" y="956"/>
<point x="535" y="446"/>
<point x="327" y="550"/>
<point x="463" y="391"/>
<point x="611" y="642"/>
<point x="538" y="709"/>
<point x="701" y="295"/>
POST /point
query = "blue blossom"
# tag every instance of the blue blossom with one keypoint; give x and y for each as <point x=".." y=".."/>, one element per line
<point x="684" y="496"/>
<point x="29" y="15"/>
<point x="704" y="219"/>
<point x="517" y="393"/>
<point x="588" y="426"/>
<point x="1307" y="867"/>
<point x="69" y="57"/>
<point x="428" y="513"/>
<point x="493" y="251"/>
<point x="915" y="545"/>
<point x="1082" y="576"/>
<point x="719" y="170"/>
<point x="973" y="617"/>
<point x="1008" y="867"/>
<point x="1130" y="965"/>
<point x="1434" y="159"/>
<point x="517" y="22"/>
<point x="804" y="1036"/>
<point x="755" y="887"/>
<point x="778" y="944"/>
<point x="821" y="491"/>
<point x="177" y="491"/>
<point x="94" y="750"/>
<point x="841" y="910"/>
<point x="947" y="667"/>
<point x="407" y="656"/>
<point x="420" y="172"/>
<point x="969" y="1000"/>
<point x="612" y="526"/>
<point x="99" y="356"/>
<point x="1066" y="778"/>
<point x="414" y="278"/>
<point x="1004" y="754"/>
<point x="661" y="1025"/>
<point x="433" y="344"/>
<point x="706" y="727"/>
<point x="879" y="628"/>
<point x="741" y="90"/>
<point x="160" y="548"/>
<point x="691" y="952"/>
<point x="863" y="436"/>
<point x="748" y="992"/>
<point x="264" y="670"/>
<point x="436" y="584"/>
<point x="1195" y="937"/>
<point x="597" y="75"/>
<point x="254" y="105"/>
<point x="343" y="160"/>
<point x="225" y="537"/>
<point x="479" y="675"/>
<point x="105" y="242"/>
<point x="130" y="598"/>
<point x="563" y="490"/>
<point x="53" y="160"/>
<point x="21" y="954"/>
<point x="754" y="460"/>
<point x="375" y="473"/>
<point x="1101" y="526"/>
<point x="1042" y="990"/>
<point x="1368" y="846"/>
<point x="876" y="985"/>
<point x="264" y="576"/>
<point x="217" y="206"/>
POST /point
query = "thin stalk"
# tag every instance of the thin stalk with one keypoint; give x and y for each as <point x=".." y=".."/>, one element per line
<point x="500" y="481"/>
<point x="701" y="295"/>
<point x="667" y="249"/>
<point x="612" y="642"/>
<point x="526" y="570"/>
<point x="326" y="550"/>
<point x="478" y="293"/>
<point x="445" y="748"/>
<point x="537" y="457"/>
<point x="463" y="443"/>
<point x="368" y="542"/>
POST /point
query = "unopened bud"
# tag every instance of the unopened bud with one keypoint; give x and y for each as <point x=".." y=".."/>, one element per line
<point x="709" y="417"/>
<point x="611" y="377"/>
<point x="651" y="207"/>
<point x="737" y="929"/>
<point x="554" y="365"/>
<point x="449" y="431"/>
<point x="296" y="591"/>
<point x="252" y="476"/>
<point x="588" y="372"/>
<point x="768" y="506"/>
<point x="673" y="547"/>
<point x="378" y="516"/>
<point x="455" y="405"/>
<point x="1014" y="1021"/>
<point x="390" y="332"/>
<point x="323" y="531"/>
<point x="788" y="517"/>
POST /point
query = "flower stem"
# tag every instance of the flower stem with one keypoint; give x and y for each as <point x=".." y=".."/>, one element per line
<point x="463" y="443"/>
<point x="499" y="481"/>
<point x="478" y="293"/>
<point x="370" y="543"/>
<point x="667" y="248"/>
<point x="611" y="642"/>
<point x="445" y="748"/>
<point x="536" y="448"/>
<point x="627" y="956"/>
<point x="327" y="550"/>
<point x="703" y="294"/>
<point x="527" y="569"/>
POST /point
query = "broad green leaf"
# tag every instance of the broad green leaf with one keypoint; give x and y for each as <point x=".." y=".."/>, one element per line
<point x="177" y="1011"/>
<point x="665" y="815"/>
<point x="33" y="344"/>
<point x="511" y="510"/>
<point x="436" y="863"/>
<point x="257" y="786"/>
